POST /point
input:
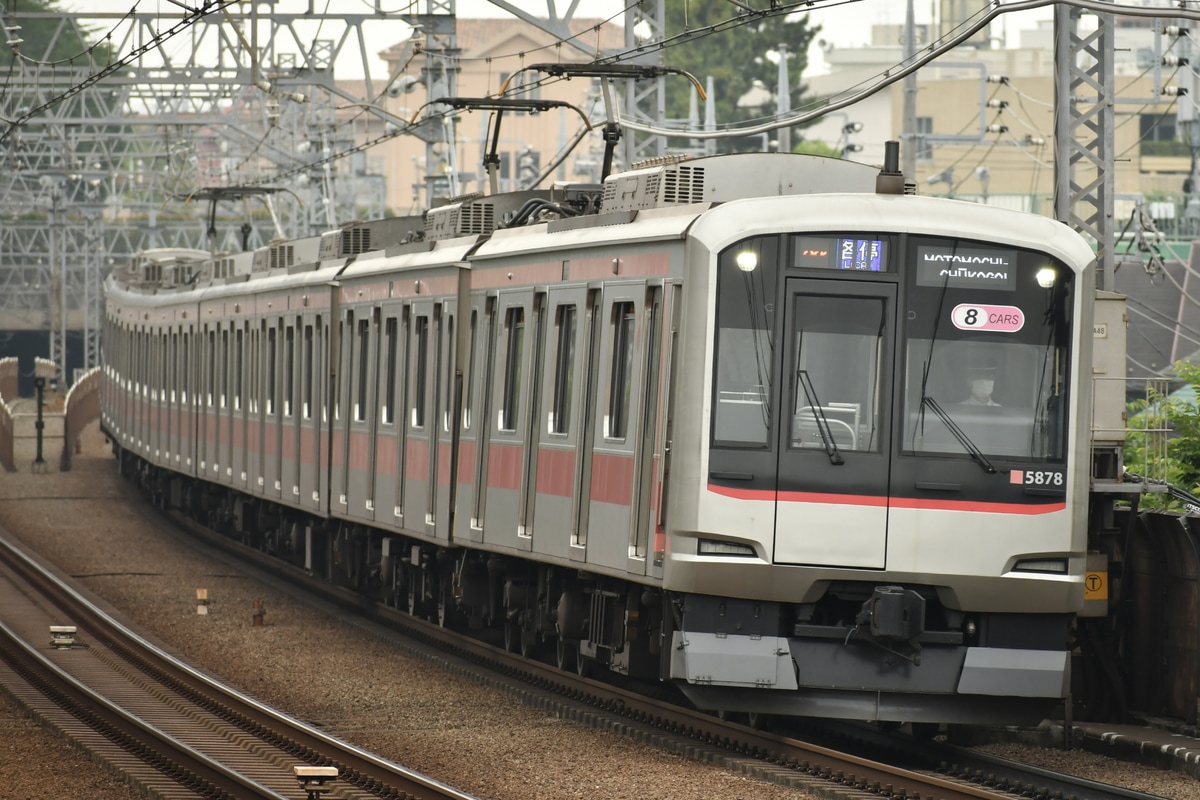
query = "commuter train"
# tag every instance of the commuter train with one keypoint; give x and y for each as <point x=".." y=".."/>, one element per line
<point x="767" y="426"/>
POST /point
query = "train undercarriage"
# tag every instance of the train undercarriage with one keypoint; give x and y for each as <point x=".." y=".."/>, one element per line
<point x="588" y="622"/>
<point x="582" y="622"/>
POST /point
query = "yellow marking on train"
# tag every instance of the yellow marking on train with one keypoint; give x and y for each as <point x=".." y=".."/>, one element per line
<point x="1095" y="586"/>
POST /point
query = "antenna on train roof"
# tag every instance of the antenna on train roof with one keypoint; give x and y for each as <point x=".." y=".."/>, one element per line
<point x="890" y="179"/>
<point x="491" y="160"/>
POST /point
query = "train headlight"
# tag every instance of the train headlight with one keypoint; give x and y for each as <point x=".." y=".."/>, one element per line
<point x="1046" y="277"/>
<point x="747" y="260"/>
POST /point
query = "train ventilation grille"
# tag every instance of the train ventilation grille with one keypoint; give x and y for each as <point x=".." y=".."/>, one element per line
<point x="683" y="185"/>
<point x="282" y="256"/>
<point x="355" y="241"/>
<point x="476" y="218"/>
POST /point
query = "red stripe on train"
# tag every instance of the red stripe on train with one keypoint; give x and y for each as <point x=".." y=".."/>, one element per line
<point x="895" y="502"/>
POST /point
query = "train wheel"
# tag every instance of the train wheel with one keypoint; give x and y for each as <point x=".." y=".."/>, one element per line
<point x="527" y="645"/>
<point x="584" y="667"/>
<point x="564" y="655"/>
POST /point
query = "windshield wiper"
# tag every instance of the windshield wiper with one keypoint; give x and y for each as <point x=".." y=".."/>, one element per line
<point x="958" y="434"/>
<point x="810" y="394"/>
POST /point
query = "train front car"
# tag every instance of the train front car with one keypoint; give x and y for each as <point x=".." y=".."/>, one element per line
<point x="878" y="507"/>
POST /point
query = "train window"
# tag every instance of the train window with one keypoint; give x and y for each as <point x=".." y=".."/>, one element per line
<point x="271" y="370"/>
<point x="746" y="288"/>
<point x="514" y="326"/>
<point x="289" y="369"/>
<point x="174" y="378"/>
<point x="360" y="390"/>
<point x="616" y="422"/>
<point x="307" y="400"/>
<point x="421" y="368"/>
<point x="388" y="412"/>
<point x="987" y="351"/>
<point x="564" y="369"/>
<point x="238" y="354"/>
<point x="183" y="362"/>
<point x="224" y="369"/>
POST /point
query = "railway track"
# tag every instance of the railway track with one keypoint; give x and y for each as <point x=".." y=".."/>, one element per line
<point x="171" y="730"/>
<point x="911" y="769"/>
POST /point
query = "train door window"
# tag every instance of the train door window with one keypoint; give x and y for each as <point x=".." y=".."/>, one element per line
<point x="341" y="359"/>
<point x="838" y="346"/>
<point x="238" y="365"/>
<point x="746" y="277"/>
<point x="174" y="366"/>
<point x="321" y="333"/>
<point x="289" y="369"/>
<point x="514" y="327"/>
<point x="164" y="368"/>
<point x="183" y="362"/>
<point x="363" y="352"/>
<point x="448" y="377"/>
<point x="623" y="323"/>
<point x="270" y="376"/>
<point x="224" y="369"/>
<point x="255" y="371"/>
<point x="564" y="369"/>
<point x="210" y="376"/>
<point x="469" y="391"/>
<point x="421" y="366"/>
<point x="307" y="407"/>
<point x="387" y="414"/>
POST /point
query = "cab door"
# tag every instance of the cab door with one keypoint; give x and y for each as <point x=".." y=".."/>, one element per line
<point x="834" y="436"/>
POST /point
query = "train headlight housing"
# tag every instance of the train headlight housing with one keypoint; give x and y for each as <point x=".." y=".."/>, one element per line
<point x="711" y="547"/>
<point x="747" y="260"/>
<point x="1046" y="277"/>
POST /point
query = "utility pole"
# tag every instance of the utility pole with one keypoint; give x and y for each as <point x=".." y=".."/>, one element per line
<point x="908" y="153"/>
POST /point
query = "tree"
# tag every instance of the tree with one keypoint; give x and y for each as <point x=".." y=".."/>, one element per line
<point x="734" y="56"/>
<point x="51" y="39"/>
<point x="1177" y="418"/>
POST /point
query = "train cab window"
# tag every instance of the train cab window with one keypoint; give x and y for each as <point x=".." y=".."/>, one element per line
<point x="746" y="290"/>
<point x="421" y="368"/>
<point x="837" y="351"/>
<point x="987" y="352"/>
<point x="388" y="412"/>
<point x="620" y="381"/>
<point x="564" y="369"/>
<point x="514" y="327"/>
<point x="307" y="399"/>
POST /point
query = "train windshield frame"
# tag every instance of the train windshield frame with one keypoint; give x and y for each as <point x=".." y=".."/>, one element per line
<point x="986" y="349"/>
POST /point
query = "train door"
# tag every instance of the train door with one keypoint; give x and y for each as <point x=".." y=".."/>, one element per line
<point x="272" y="419"/>
<point x="310" y="412"/>
<point x="240" y="412"/>
<point x="360" y="413"/>
<point x="224" y="458"/>
<point x="292" y="419"/>
<point x="587" y="411"/>
<point x="477" y="411"/>
<point x="620" y="404"/>
<point x="187" y="397"/>
<point x="558" y="427"/>
<point x="447" y="409"/>
<point x="834" y="447"/>
<point x="420" y="450"/>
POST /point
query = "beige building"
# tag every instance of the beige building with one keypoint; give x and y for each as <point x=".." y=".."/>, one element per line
<point x="492" y="51"/>
<point x="985" y="121"/>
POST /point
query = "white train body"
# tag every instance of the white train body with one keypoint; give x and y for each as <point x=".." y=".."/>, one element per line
<point x="739" y="442"/>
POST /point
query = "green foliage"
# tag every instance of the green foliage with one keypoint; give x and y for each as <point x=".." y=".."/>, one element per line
<point x="1177" y="460"/>
<point x="734" y="57"/>
<point x="814" y="147"/>
<point x="52" y="40"/>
